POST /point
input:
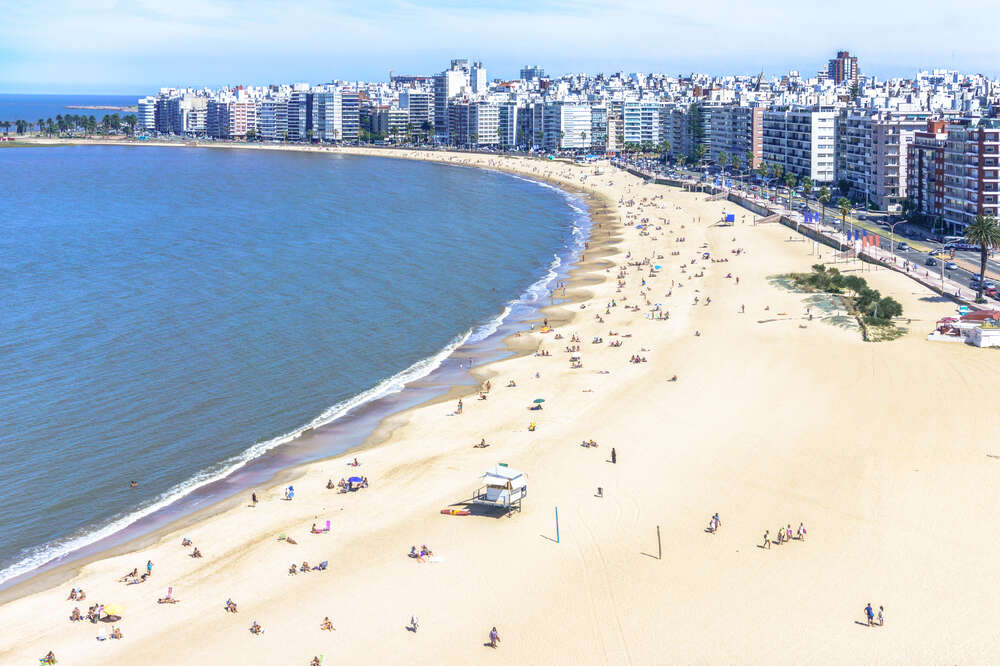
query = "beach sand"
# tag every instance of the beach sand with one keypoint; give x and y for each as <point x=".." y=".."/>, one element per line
<point x="881" y="449"/>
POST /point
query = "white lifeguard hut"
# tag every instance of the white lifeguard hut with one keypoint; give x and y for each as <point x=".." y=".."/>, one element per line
<point x="503" y="488"/>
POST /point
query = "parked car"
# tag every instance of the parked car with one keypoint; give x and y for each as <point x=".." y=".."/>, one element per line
<point x="903" y="247"/>
<point x="951" y="265"/>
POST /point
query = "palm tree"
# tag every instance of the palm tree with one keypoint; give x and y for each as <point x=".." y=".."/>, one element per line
<point x="723" y="160"/>
<point x="583" y="139"/>
<point x="824" y="199"/>
<point x="844" y="204"/>
<point x="665" y="149"/>
<point x="736" y="165"/>
<point x="778" y="170"/>
<point x="681" y="160"/>
<point x="985" y="233"/>
<point x="699" y="153"/>
<point x="807" y="186"/>
<point x="790" y="184"/>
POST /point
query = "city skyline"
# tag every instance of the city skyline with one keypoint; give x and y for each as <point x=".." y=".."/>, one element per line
<point x="111" y="47"/>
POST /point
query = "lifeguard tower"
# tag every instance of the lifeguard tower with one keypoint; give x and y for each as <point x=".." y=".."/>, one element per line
<point x="503" y="488"/>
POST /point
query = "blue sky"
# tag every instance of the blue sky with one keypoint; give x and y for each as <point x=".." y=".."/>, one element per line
<point x="112" y="46"/>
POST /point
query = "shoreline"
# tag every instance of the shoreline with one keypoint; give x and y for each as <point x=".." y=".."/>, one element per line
<point x="47" y="574"/>
<point x="750" y="401"/>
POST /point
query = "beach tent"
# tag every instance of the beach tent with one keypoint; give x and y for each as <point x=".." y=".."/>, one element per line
<point x="503" y="487"/>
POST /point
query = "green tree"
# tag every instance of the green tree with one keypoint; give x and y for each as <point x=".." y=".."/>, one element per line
<point x="699" y="153"/>
<point x="844" y="204"/>
<point x="824" y="199"/>
<point x="807" y="185"/>
<point x="790" y="184"/>
<point x="985" y="233"/>
<point x="583" y="139"/>
<point x="844" y="186"/>
<point x="665" y="149"/>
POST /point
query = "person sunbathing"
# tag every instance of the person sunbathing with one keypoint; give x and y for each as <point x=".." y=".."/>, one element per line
<point x="50" y="658"/>
<point x="167" y="600"/>
<point x="132" y="574"/>
<point x="293" y="570"/>
<point x="313" y="529"/>
<point x="196" y="553"/>
<point x="327" y="625"/>
<point x="256" y="629"/>
<point x="230" y="606"/>
<point x="511" y="384"/>
<point x="72" y="595"/>
<point x="186" y="542"/>
<point x="321" y="566"/>
<point x="305" y="567"/>
<point x="315" y="662"/>
<point x="116" y="633"/>
<point x="330" y="485"/>
<point x="75" y="615"/>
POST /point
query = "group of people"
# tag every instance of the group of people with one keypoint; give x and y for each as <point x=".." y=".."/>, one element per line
<point x="637" y="359"/>
<point x="419" y="555"/>
<point x="784" y="535"/>
<point x="872" y="619"/>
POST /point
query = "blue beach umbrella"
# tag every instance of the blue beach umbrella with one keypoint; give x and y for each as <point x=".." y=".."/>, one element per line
<point x="355" y="479"/>
<point x="656" y="268"/>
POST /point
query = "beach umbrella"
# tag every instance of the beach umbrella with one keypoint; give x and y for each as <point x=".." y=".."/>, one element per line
<point x="656" y="267"/>
<point x="355" y="479"/>
<point x="114" y="609"/>
<point x="538" y="400"/>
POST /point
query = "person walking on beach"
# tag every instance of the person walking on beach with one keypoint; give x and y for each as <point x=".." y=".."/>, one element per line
<point x="253" y="498"/>
<point x="614" y="456"/>
<point x="881" y="619"/>
<point x="767" y="539"/>
<point x="870" y="614"/>
<point x="802" y="532"/>
<point x="459" y="410"/>
<point x="414" y="623"/>
<point x="494" y="637"/>
<point x="149" y="567"/>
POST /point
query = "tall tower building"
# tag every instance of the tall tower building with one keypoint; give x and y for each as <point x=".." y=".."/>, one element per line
<point x="843" y="68"/>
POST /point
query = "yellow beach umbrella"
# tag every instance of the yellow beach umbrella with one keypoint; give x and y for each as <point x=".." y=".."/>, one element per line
<point x="114" y="609"/>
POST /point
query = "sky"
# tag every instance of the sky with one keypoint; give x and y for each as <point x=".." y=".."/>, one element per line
<point x="139" y="46"/>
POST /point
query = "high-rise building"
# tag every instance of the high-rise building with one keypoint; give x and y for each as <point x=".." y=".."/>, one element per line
<point x="532" y="73"/>
<point x="971" y="182"/>
<point x="872" y="152"/>
<point x="802" y="141"/>
<point x="477" y="78"/>
<point x="147" y="114"/>
<point x="350" y="113"/>
<point x="419" y="105"/>
<point x="925" y="170"/>
<point x="447" y="85"/>
<point x="843" y="68"/>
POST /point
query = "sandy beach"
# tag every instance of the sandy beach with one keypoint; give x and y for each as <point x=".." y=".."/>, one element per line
<point x="881" y="450"/>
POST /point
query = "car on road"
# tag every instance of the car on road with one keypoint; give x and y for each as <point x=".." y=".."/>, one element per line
<point x="933" y="253"/>
<point x="931" y="261"/>
<point x="903" y="247"/>
<point x="951" y="265"/>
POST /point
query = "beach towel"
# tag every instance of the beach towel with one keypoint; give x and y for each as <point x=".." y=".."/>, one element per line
<point x="435" y="558"/>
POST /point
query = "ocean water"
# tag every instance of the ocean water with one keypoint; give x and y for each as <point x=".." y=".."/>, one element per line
<point x="17" y="106"/>
<point x="179" y="316"/>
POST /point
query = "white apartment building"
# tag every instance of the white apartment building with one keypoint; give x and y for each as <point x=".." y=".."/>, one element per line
<point x="147" y="114"/>
<point x="327" y="114"/>
<point x="419" y="105"/>
<point x="567" y="126"/>
<point x="802" y="140"/>
<point x="272" y="119"/>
